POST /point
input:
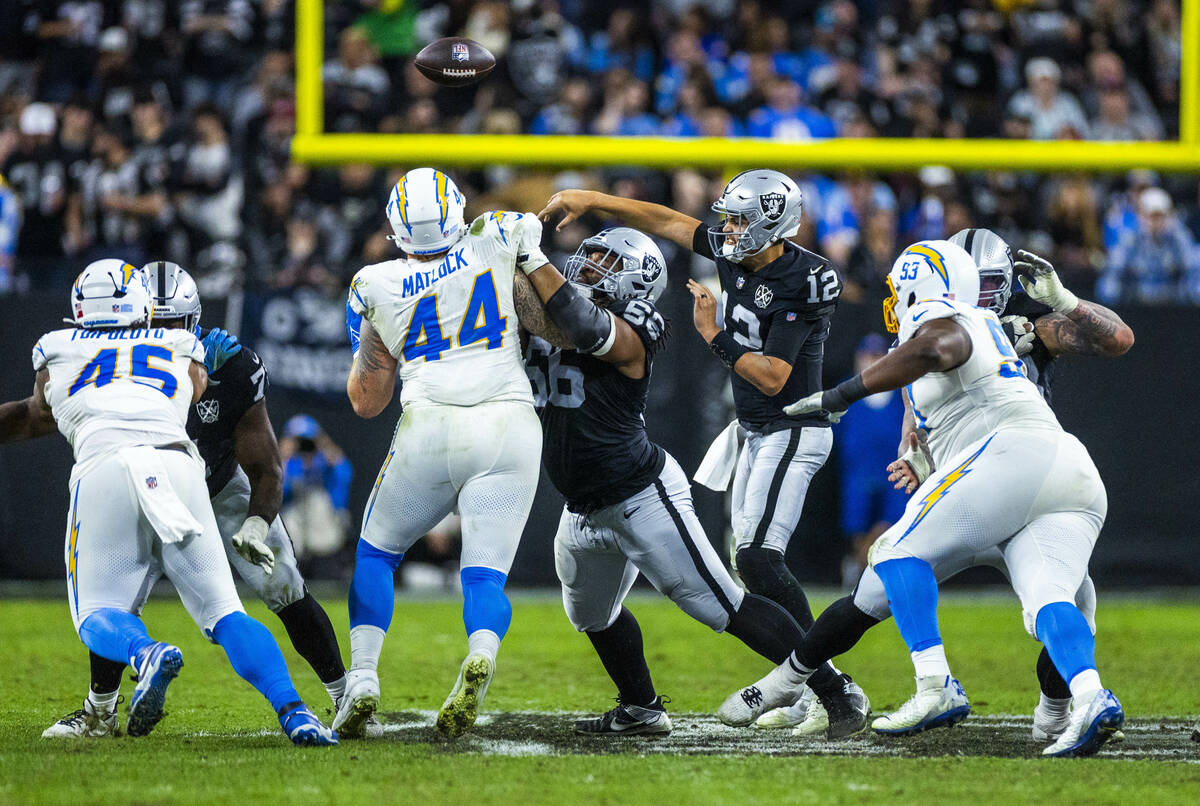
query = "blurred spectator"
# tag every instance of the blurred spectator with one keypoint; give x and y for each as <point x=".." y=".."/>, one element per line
<point x="1073" y="222"/>
<point x="625" y="111"/>
<point x="1156" y="264"/>
<point x="866" y="439"/>
<point x="10" y="225"/>
<point x="39" y="179"/>
<point x="1115" y="121"/>
<point x="785" y="117"/>
<point x="871" y="259"/>
<point x="569" y="115"/>
<point x="1106" y="72"/>
<point x="215" y="36"/>
<point x="623" y="44"/>
<point x="316" y="489"/>
<point x="70" y="30"/>
<point x="356" y="87"/>
<point x="1053" y="113"/>
<point x="209" y="195"/>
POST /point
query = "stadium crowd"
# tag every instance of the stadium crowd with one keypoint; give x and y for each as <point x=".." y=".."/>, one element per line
<point x="153" y="128"/>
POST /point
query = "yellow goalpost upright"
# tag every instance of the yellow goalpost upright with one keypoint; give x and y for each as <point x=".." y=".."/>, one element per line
<point x="313" y="146"/>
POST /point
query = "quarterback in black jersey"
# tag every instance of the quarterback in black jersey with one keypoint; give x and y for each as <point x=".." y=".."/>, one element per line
<point x="230" y="427"/>
<point x="629" y="506"/>
<point x="777" y="302"/>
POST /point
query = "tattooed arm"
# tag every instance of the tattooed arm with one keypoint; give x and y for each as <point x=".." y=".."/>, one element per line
<point x="1089" y="329"/>
<point x="372" y="376"/>
<point x="532" y="313"/>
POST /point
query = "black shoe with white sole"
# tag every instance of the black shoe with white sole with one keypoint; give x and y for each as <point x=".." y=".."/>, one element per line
<point x="848" y="711"/>
<point x="629" y="720"/>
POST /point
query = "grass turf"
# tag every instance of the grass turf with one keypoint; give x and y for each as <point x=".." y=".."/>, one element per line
<point x="220" y="742"/>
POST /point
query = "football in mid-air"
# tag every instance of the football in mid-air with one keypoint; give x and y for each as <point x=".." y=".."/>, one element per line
<point x="455" y="61"/>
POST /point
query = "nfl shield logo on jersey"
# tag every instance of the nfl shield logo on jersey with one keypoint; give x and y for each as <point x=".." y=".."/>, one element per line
<point x="152" y="482"/>
<point x="763" y="296"/>
<point x="209" y="411"/>
<point x="458" y="52"/>
<point x="771" y="204"/>
<point x="741" y="283"/>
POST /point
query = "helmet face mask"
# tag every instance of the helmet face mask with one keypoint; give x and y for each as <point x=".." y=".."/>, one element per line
<point x="758" y="209"/>
<point x="174" y="293"/>
<point x="618" y="263"/>
<point x="425" y="209"/>
<point x="110" y="293"/>
<point x="993" y="257"/>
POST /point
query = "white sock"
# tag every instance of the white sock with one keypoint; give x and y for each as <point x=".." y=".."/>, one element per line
<point x="931" y="662"/>
<point x="1085" y="684"/>
<point x="1053" y="707"/>
<point x="794" y="673"/>
<point x="103" y="703"/>
<point x="366" y="644"/>
<point x="336" y="689"/>
<point x="483" y="642"/>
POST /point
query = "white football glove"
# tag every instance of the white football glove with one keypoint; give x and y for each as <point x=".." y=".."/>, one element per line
<point x="1020" y="332"/>
<point x="809" y="404"/>
<point x="1042" y="282"/>
<point x="530" y="256"/>
<point x="250" y="544"/>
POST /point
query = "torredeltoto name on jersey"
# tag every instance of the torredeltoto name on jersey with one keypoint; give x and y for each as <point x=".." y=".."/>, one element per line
<point x="451" y="324"/>
<point x="118" y="381"/>
<point x="989" y="390"/>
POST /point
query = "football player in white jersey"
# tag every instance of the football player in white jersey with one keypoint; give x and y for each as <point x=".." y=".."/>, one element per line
<point x="1008" y="476"/>
<point x="119" y="390"/>
<point x="444" y="316"/>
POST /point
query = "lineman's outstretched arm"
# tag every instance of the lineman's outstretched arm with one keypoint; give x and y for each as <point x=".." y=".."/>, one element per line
<point x="653" y="219"/>
<point x="532" y="313"/>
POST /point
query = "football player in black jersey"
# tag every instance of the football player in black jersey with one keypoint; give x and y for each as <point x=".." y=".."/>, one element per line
<point x="777" y="301"/>
<point x="628" y="503"/>
<point x="1044" y="321"/>
<point x="229" y="425"/>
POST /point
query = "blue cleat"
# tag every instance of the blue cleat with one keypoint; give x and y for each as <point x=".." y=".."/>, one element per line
<point x="157" y="665"/>
<point x="940" y="702"/>
<point x="303" y="727"/>
<point x="1092" y="724"/>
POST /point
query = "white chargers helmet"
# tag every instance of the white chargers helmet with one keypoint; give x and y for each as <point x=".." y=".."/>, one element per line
<point x="425" y="209"/>
<point x="929" y="270"/>
<point x="174" y="293"/>
<point x="994" y="259"/>
<point x="110" y="293"/>
<point x="630" y="265"/>
<point x="769" y="203"/>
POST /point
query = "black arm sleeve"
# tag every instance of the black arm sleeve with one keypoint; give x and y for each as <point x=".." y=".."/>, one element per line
<point x="588" y="326"/>
<point x="787" y="337"/>
<point x="700" y="244"/>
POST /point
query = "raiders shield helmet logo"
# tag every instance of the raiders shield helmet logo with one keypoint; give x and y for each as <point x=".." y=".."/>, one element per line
<point x="772" y="205"/>
<point x="209" y="411"/>
<point x="651" y="268"/>
<point x="763" y="296"/>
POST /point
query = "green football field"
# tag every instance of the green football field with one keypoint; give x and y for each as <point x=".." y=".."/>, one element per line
<point x="220" y="742"/>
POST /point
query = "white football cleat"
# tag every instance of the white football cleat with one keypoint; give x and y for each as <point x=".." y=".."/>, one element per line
<point x="816" y="721"/>
<point x="940" y="702"/>
<point x="461" y="708"/>
<point x="85" y="724"/>
<point x="1092" y="724"/>
<point x="788" y="716"/>
<point x="743" y="707"/>
<point x="358" y="704"/>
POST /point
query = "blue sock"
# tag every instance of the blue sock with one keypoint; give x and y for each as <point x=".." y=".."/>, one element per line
<point x="373" y="589"/>
<point x="912" y="593"/>
<point x="1067" y="637"/>
<point x="485" y="606"/>
<point x="256" y="658"/>
<point x="114" y="634"/>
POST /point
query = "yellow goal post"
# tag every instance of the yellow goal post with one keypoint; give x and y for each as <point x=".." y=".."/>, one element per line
<point x="313" y="146"/>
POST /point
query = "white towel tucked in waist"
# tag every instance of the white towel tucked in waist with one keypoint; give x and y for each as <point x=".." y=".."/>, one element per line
<point x="719" y="463"/>
<point x="167" y="514"/>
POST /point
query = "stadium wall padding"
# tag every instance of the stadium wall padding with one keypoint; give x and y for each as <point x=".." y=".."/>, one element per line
<point x="1136" y="414"/>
